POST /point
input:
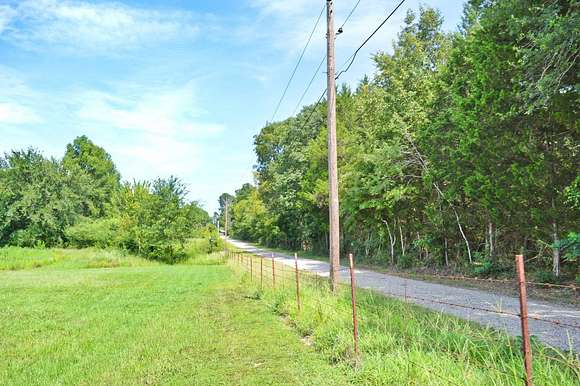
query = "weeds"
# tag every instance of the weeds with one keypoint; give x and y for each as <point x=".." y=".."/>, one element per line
<point x="402" y="343"/>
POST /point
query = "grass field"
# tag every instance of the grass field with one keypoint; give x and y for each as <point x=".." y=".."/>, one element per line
<point x="401" y="343"/>
<point x="132" y="321"/>
<point x="65" y="322"/>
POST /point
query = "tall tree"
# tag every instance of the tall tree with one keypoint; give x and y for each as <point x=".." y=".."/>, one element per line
<point x="98" y="177"/>
<point x="37" y="199"/>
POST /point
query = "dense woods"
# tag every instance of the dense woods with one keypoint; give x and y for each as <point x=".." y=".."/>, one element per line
<point x="460" y="150"/>
<point x="80" y="201"/>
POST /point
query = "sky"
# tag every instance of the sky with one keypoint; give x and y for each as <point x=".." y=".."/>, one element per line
<point x="174" y="87"/>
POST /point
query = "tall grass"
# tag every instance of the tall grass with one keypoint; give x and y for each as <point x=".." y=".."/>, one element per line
<point x="17" y="258"/>
<point x="401" y="343"/>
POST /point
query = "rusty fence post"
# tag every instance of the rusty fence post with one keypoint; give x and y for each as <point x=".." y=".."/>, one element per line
<point x="353" y="299"/>
<point x="273" y="272"/>
<point x="527" y="351"/>
<point x="261" y="272"/>
<point x="297" y="281"/>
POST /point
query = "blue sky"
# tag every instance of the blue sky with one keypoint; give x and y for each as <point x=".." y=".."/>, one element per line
<point x="172" y="87"/>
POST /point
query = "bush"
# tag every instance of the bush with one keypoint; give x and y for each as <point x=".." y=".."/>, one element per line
<point x="87" y="233"/>
<point x="214" y="241"/>
<point x="545" y="277"/>
<point x="406" y="261"/>
<point x="30" y="238"/>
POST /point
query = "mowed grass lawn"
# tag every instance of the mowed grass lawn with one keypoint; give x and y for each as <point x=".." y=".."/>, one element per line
<point x="144" y="324"/>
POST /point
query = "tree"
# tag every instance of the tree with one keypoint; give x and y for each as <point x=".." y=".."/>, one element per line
<point x="37" y="199"/>
<point x="96" y="173"/>
<point x="461" y="149"/>
<point x="155" y="220"/>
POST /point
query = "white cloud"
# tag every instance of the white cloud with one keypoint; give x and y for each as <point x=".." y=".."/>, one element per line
<point x="158" y="131"/>
<point x="286" y="7"/>
<point x="91" y="27"/>
<point x="290" y="22"/>
<point x="12" y="113"/>
<point x="16" y="99"/>
<point x="6" y="16"/>
<point x="160" y="156"/>
<point x="157" y="111"/>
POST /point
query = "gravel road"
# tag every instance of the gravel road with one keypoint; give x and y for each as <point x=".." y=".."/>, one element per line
<point x="563" y="337"/>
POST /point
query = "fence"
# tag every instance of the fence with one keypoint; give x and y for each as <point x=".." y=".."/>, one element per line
<point x="571" y="287"/>
<point x="278" y="275"/>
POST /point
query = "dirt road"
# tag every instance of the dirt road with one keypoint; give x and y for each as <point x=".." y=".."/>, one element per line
<point x="427" y="294"/>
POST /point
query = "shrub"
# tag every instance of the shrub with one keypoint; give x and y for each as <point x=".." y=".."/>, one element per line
<point x="406" y="261"/>
<point x="545" y="277"/>
<point x="214" y="242"/>
<point x="99" y="233"/>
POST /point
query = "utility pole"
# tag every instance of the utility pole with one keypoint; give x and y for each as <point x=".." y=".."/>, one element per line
<point x="332" y="157"/>
<point x="226" y="219"/>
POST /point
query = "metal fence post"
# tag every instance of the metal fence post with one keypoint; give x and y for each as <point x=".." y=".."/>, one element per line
<point x="353" y="299"/>
<point x="251" y="268"/>
<point x="297" y="281"/>
<point x="527" y="351"/>
<point x="261" y="272"/>
<point x="273" y="272"/>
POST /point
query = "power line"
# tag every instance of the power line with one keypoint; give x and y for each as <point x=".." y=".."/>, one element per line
<point x="322" y="60"/>
<point x="350" y="14"/>
<point x="352" y="57"/>
<point x="309" y="84"/>
<point x="313" y="109"/>
<point x="298" y="63"/>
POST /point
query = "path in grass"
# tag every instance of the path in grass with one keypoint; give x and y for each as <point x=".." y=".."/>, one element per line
<point x="558" y="336"/>
<point x="151" y="324"/>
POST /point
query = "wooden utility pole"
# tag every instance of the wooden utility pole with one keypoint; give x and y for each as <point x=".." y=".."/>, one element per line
<point x="226" y="219"/>
<point x="332" y="157"/>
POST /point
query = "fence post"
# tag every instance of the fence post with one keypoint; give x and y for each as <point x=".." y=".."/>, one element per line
<point x="527" y="351"/>
<point x="261" y="272"/>
<point x="353" y="299"/>
<point x="297" y="281"/>
<point x="273" y="272"/>
<point x="251" y="268"/>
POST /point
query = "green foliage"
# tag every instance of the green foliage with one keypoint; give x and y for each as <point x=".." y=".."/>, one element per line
<point x="214" y="243"/>
<point x="545" y="277"/>
<point x="154" y="219"/>
<point x="92" y="232"/>
<point x="79" y="201"/>
<point x="37" y="199"/>
<point x="570" y="246"/>
<point x="98" y="174"/>
<point x="460" y="149"/>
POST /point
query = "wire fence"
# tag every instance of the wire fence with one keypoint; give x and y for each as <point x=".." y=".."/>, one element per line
<point x="571" y="287"/>
<point x="277" y="273"/>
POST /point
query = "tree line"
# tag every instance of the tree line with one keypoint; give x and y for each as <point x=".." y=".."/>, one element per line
<point x="80" y="201"/>
<point x="460" y="150"/>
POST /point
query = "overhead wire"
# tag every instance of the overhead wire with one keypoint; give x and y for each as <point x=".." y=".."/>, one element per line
<point x="316" y="72"/>
<point x="351" y="58"/>
<point x="298" y="63"/>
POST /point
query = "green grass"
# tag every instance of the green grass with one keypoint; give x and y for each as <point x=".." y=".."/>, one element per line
<point x="16" y="258"/>
<point x="404" y="344"/>
<point x="142" y="323"/>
